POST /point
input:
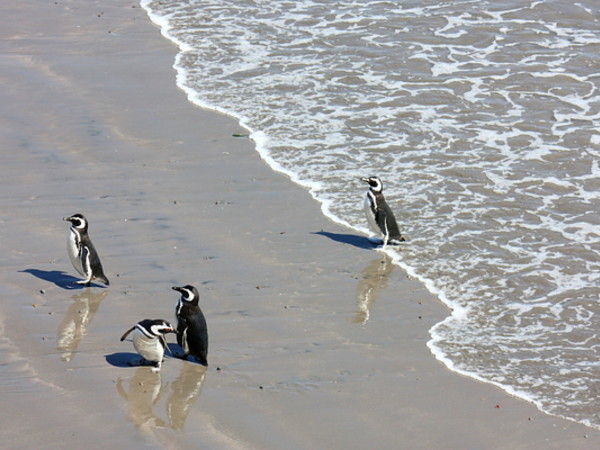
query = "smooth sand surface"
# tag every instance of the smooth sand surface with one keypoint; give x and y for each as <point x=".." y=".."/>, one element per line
<point x="316" y="340"/>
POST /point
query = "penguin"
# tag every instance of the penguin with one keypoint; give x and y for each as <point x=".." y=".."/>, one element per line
<point x="192" y="334"/>
<point x="149" y="340"/>
<point x="82" y="252"/>
<point x="379" y="215"/>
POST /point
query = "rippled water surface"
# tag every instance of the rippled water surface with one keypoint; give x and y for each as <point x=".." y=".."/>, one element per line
<point x="482" y="120"/>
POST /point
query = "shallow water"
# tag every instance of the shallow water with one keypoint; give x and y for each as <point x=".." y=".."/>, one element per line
<point x="480" y="117"/>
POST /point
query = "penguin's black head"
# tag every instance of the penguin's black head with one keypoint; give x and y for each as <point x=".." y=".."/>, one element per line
<point x="374" y="182"/>
<point x="77" y="221"/>
<point x="188" y="293"/>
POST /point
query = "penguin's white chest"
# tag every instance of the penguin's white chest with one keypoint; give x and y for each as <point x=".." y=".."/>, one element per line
<point x="74" y="251"/>
<point x="368" y="201"/>
<point x="149" y="348"/>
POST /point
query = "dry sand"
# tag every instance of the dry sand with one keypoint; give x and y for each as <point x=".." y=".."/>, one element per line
<point x="92" y="122"/>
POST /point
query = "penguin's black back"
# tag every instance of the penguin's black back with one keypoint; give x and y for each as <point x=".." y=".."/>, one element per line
<point x="192" y="324"/>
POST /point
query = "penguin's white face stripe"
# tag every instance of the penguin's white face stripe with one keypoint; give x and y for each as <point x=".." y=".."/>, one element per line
<point x="157" y="330"/>
<point x="187" y="295"/>
<point x="378" y="186"/>
<point x="79" y="223"/>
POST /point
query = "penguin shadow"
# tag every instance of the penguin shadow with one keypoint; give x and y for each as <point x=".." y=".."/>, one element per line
<point x="177" y="352"/>
<point x="374" y="278"/>
<point x="351" y="239"/>
<point x="123" y="359"/>
<point x="129" y="360"/>
<point x="60" y="278"/>
<point x="75" y="324"/>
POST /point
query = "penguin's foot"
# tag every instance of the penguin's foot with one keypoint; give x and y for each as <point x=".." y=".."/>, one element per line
<point x="396" y="241"/>
<point x="84" y="282"/>
<point x="181" y="355"/>
<point x="393" y="242"/>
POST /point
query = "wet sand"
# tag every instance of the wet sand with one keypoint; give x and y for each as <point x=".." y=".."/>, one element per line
<point x="316" y="340"/>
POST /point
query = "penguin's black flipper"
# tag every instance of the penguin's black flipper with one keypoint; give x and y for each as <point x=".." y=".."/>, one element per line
<point x="127" y="333"/>
<point x="93" y="261"/>
<point x="387" y="223"/>
<point x="182" y="327"/>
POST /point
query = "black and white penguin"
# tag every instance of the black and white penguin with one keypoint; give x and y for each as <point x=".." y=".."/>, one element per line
<point x="149" y="340"/>
<point x="82" y="252"/>
<point x="192" y="334"/>
<point x="379" y="215"/>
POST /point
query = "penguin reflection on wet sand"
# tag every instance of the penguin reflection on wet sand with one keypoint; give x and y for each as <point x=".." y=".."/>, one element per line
<point x="374" y="279"/>
<point x="145" y="391"/>
<point x="192" y="334"/>
<point x="149" y="340"/>
<point x="185" y="391"/>
<point x="379" y="215"/>
<point x="78" y="318"/>
<point x="82" y="252"/>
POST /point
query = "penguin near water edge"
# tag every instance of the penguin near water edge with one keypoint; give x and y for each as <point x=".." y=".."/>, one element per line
<point x="192" y="333"/>
<point x="379" y="214"/>
<point x="82" y="252"/>
<point x="149" y="340"/>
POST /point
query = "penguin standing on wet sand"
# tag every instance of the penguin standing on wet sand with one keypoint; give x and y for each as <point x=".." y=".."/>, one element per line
<point x="149" y="340"/>
<point x="192" y="334"/>
<point x="379" y="215"/>
<point x="82" y="252"/>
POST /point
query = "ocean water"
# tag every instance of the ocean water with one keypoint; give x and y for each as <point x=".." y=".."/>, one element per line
<point x="482" y="118"/>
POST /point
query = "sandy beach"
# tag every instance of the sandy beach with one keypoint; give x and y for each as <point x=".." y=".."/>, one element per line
<point x="316" y="340"/>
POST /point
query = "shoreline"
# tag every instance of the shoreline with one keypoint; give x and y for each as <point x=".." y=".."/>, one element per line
<point x="314" y="337"/>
